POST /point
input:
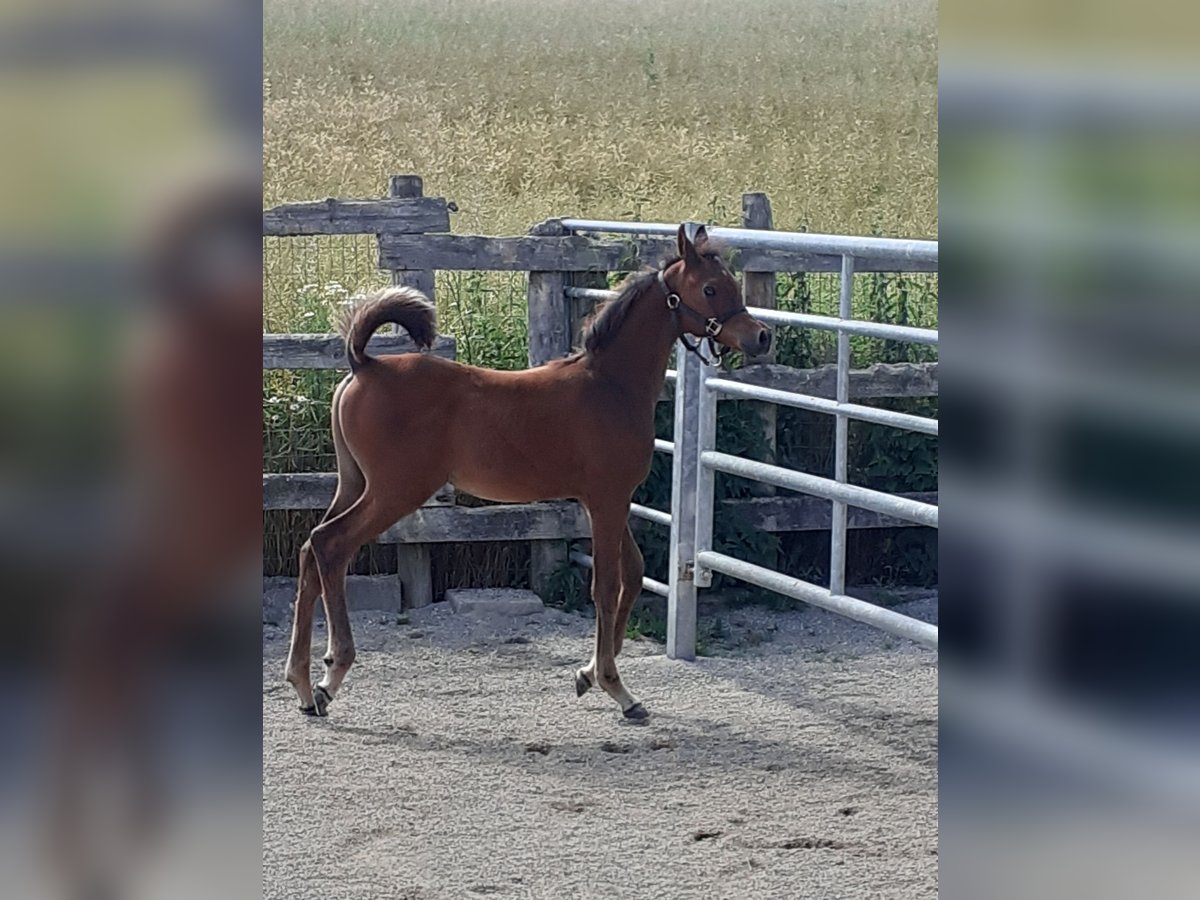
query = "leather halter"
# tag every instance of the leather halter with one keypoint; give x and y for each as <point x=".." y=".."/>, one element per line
<point x="712" y="324"/>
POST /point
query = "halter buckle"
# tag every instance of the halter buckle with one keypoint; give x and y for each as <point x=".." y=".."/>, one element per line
<point x="712" y="327"/>
<point x="673" y="301"/>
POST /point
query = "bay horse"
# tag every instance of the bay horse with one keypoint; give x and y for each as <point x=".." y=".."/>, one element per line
<point x="580" y="428"/>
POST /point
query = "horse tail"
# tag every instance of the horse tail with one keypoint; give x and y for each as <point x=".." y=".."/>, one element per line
<point x="403" y="306"/>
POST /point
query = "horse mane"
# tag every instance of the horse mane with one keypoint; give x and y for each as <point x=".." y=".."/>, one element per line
<point x="606" y="320"/>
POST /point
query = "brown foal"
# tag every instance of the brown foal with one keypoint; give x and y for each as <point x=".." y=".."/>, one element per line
<point x="577" y="428"/>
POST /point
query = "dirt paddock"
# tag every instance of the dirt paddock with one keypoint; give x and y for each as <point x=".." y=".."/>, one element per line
<point x="457" y="762"/>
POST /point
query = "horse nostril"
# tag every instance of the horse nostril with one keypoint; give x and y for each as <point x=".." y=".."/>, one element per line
<point x="764" y="340"/>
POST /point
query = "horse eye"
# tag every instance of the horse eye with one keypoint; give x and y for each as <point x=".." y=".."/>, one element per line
<point x="710" y="291"/>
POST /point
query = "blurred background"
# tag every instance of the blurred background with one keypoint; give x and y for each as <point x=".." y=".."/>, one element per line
<point x="130" y="296"/>
<point x="1070" y="577"/>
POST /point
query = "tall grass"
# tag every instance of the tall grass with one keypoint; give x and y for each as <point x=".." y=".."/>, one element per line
<point x="524" y="109"/>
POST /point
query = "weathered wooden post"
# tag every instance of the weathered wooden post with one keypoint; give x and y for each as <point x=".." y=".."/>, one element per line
<point x="550" y="338"/>
<point x="413" y="561"/>
<point x="549" y="314"/>
<point x="758" y="288"/>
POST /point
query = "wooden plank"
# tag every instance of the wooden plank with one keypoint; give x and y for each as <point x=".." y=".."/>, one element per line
<point x="785" y="514"/>
<point x="553" y="253"/>
<point x="328" y="351"/>
<point x="440" y="521"/>
<point x="508" y="522"/>
<point x="525" y="253"/>
<point x="397" y="215"/>
<point x="878" y="381"/>
<point x="314" y="490"/>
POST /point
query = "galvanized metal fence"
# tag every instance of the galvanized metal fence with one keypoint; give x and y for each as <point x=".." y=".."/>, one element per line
<point x="696" y="460"/>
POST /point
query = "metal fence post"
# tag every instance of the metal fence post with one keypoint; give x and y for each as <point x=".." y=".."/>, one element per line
<point x="681" y="601"/>
<point x="837" y="542"/>
<point x="706" y="439"/>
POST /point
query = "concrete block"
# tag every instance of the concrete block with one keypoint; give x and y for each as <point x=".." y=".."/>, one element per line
<point x="502" y="602"/>
<point x="363" y="592"/>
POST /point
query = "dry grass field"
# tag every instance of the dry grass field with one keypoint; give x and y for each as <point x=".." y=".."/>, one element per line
<point x="523" y="109"/>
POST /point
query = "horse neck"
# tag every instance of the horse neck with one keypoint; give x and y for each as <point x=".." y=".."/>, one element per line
<point x="637" y="355"/>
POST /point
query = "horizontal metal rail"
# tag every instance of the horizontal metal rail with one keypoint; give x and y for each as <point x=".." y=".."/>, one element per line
<point x="850" y="607"/>
<point x="820" y="404"/>
<point x="864" y="498"/>
<point x="650" y="514"/>
<point x="597" y="295"/>
<point x="746" y="238"/>
<point x="805" y="320"/>
<point x="846" y="326"/>
<point x="663" y="446"/>
<point x="649" y="584"/>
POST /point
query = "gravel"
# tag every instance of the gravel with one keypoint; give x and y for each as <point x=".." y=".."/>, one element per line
<point x="457" y="762"/>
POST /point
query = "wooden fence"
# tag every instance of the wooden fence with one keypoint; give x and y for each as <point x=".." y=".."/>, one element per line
<point x="414" y="240"/>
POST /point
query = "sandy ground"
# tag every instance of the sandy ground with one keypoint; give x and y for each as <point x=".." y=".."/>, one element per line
<point x="457" y="762"/>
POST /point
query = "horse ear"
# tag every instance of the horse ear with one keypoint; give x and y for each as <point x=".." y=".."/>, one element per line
<point x="700" y="238"/>
<point x="687" y="245"/>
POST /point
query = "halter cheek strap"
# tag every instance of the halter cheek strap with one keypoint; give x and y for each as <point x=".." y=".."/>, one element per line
<point x="712" y="324"/>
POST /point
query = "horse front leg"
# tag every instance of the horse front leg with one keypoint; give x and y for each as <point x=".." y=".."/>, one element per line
<point x="609" y="523"/>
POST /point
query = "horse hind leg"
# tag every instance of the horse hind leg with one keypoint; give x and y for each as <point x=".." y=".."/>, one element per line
<point x="334" y="544"/>
<point x="350" y="486"/>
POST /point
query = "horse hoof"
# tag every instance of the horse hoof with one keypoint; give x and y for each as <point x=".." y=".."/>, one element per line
<point x="321" y="700"/>
<point x="637" y="713"/>
<point x="582" y="685"/>
<point x="308" y="710"/>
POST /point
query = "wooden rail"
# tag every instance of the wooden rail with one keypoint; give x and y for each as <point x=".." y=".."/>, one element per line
<point x="391" y="216"/>
<point x="440" y="521"/>
<point x="557" y="253"/>
<point x="328" y="351"/>
<point x="877" y="382"/>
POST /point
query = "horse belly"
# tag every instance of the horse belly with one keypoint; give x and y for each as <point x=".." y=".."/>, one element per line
<point x="496" y="470"/>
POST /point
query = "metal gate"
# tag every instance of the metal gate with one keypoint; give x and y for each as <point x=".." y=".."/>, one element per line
<point x="696" y="460"/>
